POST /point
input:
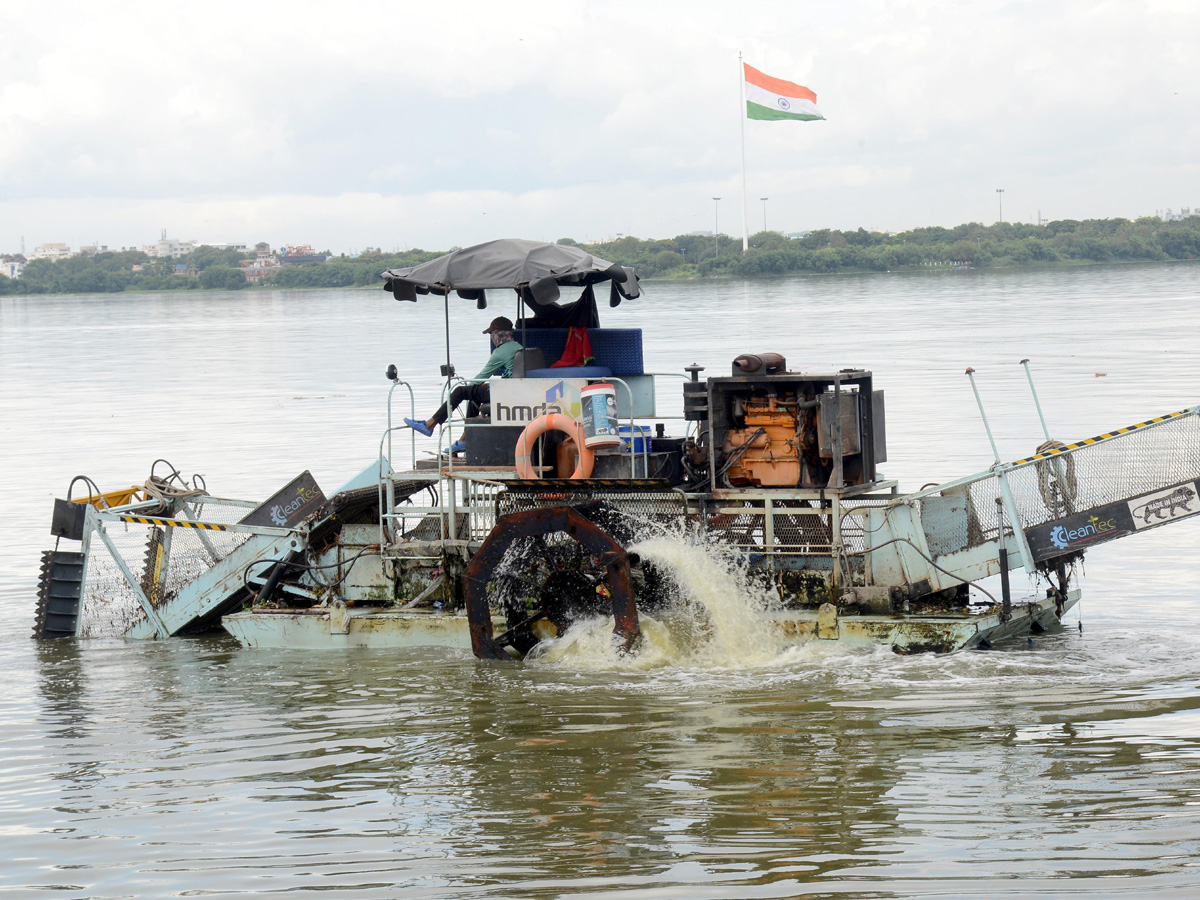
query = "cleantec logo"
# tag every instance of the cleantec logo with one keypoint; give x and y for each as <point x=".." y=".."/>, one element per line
<point x="1065" y="538"/>
<point x="280" y="513"/>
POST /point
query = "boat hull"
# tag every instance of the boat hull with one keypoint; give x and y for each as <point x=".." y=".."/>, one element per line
<point x="322" y="630"/>
<point x="928" y="633"/>
<point x="342" y="629"/>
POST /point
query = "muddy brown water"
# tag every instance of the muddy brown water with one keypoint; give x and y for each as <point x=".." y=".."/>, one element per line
<point x="1069" y="767"/>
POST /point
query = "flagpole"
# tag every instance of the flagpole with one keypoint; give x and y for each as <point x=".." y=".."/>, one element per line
<point x="742" y="120"/>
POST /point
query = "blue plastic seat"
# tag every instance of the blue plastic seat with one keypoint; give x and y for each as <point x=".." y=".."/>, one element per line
<point x="619" y="350"/>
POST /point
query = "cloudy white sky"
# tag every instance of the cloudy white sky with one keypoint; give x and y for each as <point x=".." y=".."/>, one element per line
<point x="402" y="124"/>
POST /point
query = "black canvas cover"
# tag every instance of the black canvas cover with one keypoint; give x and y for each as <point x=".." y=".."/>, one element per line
<point x="582" y="313"/>
<point x="534" y="269"/>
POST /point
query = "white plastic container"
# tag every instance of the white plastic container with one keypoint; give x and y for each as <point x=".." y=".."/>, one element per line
<point x="599" y="402"/>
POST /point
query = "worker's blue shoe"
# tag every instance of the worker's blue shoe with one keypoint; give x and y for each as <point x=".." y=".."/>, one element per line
<point x="418" y="426"/>
<point x="457" y="447"/>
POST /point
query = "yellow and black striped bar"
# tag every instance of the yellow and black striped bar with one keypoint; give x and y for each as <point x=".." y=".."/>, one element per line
<point x="1101" y="437"/>
<point x="175" y="523"/>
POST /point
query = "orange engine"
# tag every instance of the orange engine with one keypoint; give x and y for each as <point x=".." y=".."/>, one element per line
<point x="766" y="452"/>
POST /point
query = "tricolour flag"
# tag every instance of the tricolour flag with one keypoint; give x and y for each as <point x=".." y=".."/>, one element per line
<point x="774" y="98"/>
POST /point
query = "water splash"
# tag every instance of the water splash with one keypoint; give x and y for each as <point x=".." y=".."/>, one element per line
<point x="722" y="618"/>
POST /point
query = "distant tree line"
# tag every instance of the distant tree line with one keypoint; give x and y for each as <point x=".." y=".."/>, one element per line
<point x="111" y="272"/>
<point x="1062" y="242"/>
<point x="205" y="268"/>
<point x="341" y="271"/>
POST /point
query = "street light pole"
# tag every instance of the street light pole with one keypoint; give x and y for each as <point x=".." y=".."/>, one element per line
<point x="716" y="224"/>
<point x="1000" y="194"/>
<point x="764" y="200"/>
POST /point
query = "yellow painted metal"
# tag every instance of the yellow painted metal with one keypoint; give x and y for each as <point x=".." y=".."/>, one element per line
<point x="120" y="497"/>
<point x="156" y="576"/>
<point x="1104" y="437"/>
<point x="175" y="523"/>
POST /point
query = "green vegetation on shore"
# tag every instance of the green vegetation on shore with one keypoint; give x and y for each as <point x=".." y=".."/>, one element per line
<point x="205" y="268"/>
<point x="1064" y="242"/>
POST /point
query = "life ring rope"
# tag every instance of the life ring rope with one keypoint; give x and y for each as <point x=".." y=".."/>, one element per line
<point x="552" y="422"/>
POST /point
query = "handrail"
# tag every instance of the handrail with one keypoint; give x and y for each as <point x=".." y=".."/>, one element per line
<point x="380" y="479"/>
<point x="448" y="430"/>
<point x="632" y="435"/>
<point x="448" y="507"/>
<point x="412" y="403"/>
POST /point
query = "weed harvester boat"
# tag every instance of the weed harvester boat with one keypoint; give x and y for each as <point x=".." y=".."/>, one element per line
<point x="568" y="466"/>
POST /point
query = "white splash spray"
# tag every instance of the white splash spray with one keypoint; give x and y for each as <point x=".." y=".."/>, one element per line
<point x="722" y="619"/>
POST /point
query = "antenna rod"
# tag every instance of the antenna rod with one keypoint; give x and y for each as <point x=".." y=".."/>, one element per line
<point x="1036" y="402"/>
<point x="982" y="414"/>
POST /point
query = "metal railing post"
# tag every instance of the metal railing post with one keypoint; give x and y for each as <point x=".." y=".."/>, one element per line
<point x="769" y="530"/>
<point x="1018" y="532"/>
<point x="982" y="414"/>
<point x="1055" y="462"/>
<point x="1005" y="591"/>
<point x="1036" y="402"/>
<point x="645" y="441"/>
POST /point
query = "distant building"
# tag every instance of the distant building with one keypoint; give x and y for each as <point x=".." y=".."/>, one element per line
<point x="262" y="266"/>
<point x="93" y="249"/>
<point x="169" y="248"/>
<point x="1185" y="212"/>
<point x="11" y="266"/>
<point x="50" y="251"/>
<point x="299" y="255"/>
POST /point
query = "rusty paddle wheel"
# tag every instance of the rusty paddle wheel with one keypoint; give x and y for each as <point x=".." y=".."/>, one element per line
<point x="569" y="586"/>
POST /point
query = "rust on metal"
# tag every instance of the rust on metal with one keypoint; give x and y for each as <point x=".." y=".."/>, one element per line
<point x="537" y="522"/>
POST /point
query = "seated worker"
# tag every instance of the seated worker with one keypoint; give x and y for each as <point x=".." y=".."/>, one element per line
<point x="477" y="391"/>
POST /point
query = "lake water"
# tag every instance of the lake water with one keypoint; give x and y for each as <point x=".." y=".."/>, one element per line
<point x="1065" y="768"/>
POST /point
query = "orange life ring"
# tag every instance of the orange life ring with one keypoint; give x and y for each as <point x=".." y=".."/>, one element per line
<point x="553" y="422"/>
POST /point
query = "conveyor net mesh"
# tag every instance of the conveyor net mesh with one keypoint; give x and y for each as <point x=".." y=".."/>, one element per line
<point x="1119" y="468"/>
<point x="1126" y="465"/>
<point x="110" y="605"/>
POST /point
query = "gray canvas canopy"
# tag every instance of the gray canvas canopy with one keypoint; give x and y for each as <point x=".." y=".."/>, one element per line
<point x="534" y="269"/>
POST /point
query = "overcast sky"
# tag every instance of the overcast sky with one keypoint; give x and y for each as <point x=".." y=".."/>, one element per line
<point x="401" y="124"/>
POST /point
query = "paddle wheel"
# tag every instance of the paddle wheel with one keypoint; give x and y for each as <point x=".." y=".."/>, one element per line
<point x="546" y="567"/>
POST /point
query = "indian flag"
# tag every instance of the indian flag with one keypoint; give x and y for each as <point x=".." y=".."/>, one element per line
<point x="774" y="98"/>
